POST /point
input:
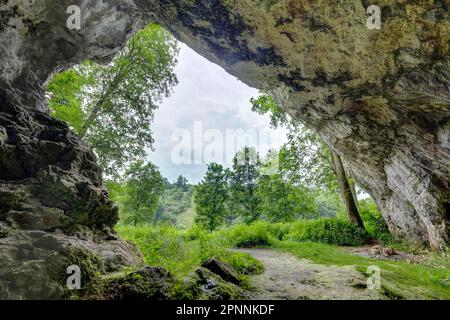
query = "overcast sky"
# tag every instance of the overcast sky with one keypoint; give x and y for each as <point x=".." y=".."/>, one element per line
<point x="215" y="103"/>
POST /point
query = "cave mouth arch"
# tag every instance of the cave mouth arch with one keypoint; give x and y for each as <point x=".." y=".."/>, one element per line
<point x="320" y="55"/>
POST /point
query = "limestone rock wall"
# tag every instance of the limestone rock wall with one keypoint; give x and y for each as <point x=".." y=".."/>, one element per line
<point x="380" y="98"/>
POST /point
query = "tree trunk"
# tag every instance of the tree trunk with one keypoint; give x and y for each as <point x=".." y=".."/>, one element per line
<point x="353" y="189"/>
<point x="346" y="192"/>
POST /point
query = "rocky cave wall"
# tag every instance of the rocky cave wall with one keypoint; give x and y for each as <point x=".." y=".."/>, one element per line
<point x="380" y="98"/>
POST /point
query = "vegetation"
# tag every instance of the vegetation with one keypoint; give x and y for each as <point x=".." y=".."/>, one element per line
<point x="143" y="188"/>
<point x="243" y="187"/>
<point x="112" y="106"/>
<point x="400" y="279"/>
<point x="176" y="201"/>
<point x="183" y="251"/>
<point x="309" y="160"/>
<point x="210" y="197"/>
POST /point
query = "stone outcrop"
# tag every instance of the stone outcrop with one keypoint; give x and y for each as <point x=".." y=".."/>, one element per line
<point x="148" y="283"/>
<point x="204" y="284"/>
<point x="225" y="271"/>
<point x="379" y="98"/>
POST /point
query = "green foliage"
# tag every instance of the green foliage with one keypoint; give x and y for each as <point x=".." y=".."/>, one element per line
<point x="245" y="264"/>
<point x="329" y="204"/>
<point x="181" y="252"/>
<point x="210" y="196"/>
<point x="304" y="159"/>
<point x="182" y="182"/>
<point x="247" y="236"/>
<point x="66" y="98"/>
<point x="142" y="192"/>
<point x="282" y="201"/>
<point x="243" y="184"/>
<point x="373" y="221"/>
<point x="112" y="106"/>
<point x="328" y="230"/>
<point x="263" y="233"/>
<point x="265" y="104"/>
<point x="176" y="201"/>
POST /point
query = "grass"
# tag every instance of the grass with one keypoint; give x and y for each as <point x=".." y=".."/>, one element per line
<point x="182" y="251"/>
<point x="186" y="219"/>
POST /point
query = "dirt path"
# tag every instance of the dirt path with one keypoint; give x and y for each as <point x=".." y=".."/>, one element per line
<point x="288" y="278"/>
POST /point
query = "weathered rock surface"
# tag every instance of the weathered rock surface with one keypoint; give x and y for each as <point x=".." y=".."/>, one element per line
<point x="149" y="283"/>
<point x="379" y="98"/>
<point x="206" y="284"/>
<point x="225" y="271"/>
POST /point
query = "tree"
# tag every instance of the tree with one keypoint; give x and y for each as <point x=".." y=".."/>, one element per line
<point x="112" y="106"/>
<point x="144" y="187"/>
<point x="244" y="183"/>
<point x="308" y="159"/>
<point x="281" y="201"/>
<point x="210" y="196"/>
<point x="182" y="182"/>
<point x="346" y="192"/>
<point x="176" y="200"/>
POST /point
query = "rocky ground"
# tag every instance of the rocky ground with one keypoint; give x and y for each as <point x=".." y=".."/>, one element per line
<point x="289" y="278"/>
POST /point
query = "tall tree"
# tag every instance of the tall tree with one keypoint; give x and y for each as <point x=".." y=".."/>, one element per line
<point x="283" y="201"/>
<point x="346" y="191"/>
<point x="182" y="182"/>
<point x="309" y="159"/>
<point x="144" y="187"/>
<point x="210" y="196"/>
<point x="112" y="106"/>
<point x="244" y="184"/>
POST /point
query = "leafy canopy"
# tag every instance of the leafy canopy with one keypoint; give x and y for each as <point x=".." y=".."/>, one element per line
<point x="144" y="187"/>
<point x="210" y="196"/>
<point x="112" y="106"/>
<point x="244" y="184"/>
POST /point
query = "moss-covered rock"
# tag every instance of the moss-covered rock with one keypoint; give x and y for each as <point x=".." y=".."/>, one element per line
<point x="202" y="284"/>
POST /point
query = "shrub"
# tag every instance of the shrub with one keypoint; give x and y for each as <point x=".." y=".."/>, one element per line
<point x="279" y="230"/>
<point x="373" y="221"/>
<point x="247" y="236"/>
<point x="181" y="252"/>
<point x="243" y="263"/>
<point x="196" y="232"/>
<point x="328" y="230"/>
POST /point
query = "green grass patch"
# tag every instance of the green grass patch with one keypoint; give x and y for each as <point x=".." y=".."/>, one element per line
<point x="181" y="252"/>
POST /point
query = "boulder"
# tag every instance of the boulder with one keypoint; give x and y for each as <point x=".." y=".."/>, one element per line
<point x="225" y="271"/>
<point x="149" y="283"/>
<point x="213" y="287"/>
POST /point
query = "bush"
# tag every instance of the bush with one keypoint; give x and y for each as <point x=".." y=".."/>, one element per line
<point x="373" y="221"/>
<point x="247" y="236"/>
<point x="328" y="230"/>
<point x="181" y="252"/>
<point x="244" y="263"/>
<point x="277" y="231"/>
<point x="196" y="232"/>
